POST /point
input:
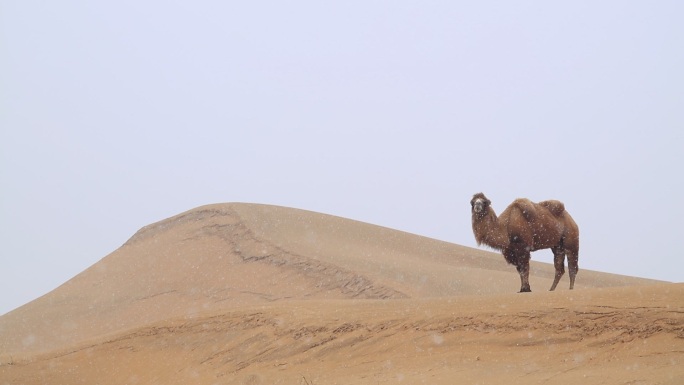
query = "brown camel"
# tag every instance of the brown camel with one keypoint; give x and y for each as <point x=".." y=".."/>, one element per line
<point x="524" y="227"/>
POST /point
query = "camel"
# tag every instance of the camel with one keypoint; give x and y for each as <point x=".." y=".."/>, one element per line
<point x="524" y="227"/>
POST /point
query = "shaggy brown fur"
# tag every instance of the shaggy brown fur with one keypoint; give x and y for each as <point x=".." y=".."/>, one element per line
<point x="524" y="227"/>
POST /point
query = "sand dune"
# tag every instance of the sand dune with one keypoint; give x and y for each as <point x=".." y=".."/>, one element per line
<point x="243" y="293"/>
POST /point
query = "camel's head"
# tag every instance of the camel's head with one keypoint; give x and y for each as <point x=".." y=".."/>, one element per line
<point x="479" y="203"/>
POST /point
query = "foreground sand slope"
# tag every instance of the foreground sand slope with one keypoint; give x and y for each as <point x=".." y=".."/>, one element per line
<point x="629" y="335"/>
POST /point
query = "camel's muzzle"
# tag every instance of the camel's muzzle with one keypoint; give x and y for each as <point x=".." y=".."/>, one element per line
<point x="478" y="206"/>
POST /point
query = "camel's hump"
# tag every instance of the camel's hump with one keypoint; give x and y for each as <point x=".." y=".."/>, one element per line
<point x="556" y="207"/>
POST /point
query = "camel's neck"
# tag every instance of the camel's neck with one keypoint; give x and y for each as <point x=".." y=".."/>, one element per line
<point x="488" y="231"/>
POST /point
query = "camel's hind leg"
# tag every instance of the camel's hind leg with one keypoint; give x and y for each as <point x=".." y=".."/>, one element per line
<point x="559" y="265"/>
<point x="573" y="267"/>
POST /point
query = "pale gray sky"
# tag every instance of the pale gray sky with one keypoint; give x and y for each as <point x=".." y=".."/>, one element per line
<point x="117" y="114"/>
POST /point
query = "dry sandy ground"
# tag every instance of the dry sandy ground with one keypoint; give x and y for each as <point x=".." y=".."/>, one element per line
<point x="253" y="294"/>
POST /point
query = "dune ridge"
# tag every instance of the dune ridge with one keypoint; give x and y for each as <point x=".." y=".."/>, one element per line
<point x="247" y="293"/>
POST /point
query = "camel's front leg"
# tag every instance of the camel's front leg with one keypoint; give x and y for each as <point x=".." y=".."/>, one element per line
<point x="523" y="267"/>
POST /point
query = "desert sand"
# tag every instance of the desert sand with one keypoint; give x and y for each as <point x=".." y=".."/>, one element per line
<point x="257" y="294"/>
